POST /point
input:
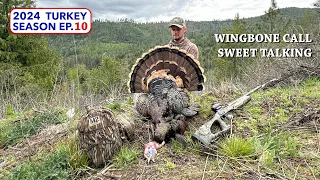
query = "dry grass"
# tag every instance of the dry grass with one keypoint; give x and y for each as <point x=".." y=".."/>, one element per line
<point x="194" y="162"/>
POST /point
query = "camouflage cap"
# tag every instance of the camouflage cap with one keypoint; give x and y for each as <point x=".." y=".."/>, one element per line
<point x="177" y="21"/>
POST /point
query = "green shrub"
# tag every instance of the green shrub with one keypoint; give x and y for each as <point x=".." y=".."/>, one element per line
<point x="108" y="75"/>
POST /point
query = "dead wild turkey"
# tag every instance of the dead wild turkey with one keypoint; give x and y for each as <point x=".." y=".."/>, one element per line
<point x="160" y="78"/>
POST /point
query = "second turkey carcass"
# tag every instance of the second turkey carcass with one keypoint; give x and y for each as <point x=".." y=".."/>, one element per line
<point x="160" y="78"/>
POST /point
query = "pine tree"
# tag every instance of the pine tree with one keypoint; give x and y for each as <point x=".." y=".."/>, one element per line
<point x="271" y="15"/>
<point x="28" y="57"/>
<point x="273" y="22"/>
<point x="232" y="65"/>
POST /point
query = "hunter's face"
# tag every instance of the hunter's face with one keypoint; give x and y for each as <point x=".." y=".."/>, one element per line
<point x="177" y="33"/>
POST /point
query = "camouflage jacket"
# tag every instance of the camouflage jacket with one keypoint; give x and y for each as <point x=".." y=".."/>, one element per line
<point x="187" y="45"/>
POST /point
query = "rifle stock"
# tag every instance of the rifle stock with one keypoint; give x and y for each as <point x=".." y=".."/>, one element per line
<point x="205" y="135"/>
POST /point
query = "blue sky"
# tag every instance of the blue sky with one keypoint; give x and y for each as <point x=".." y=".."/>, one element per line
<point x="164" y="10"/>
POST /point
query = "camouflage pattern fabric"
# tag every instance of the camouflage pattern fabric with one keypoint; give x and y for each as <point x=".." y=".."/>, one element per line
<point x="99" y="135"/>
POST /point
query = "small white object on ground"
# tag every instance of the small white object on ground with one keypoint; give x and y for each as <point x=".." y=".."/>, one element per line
<point x="70" y="113"/>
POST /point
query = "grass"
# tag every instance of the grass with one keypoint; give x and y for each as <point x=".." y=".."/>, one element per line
<point x="237" y="147"/>
<point x="283" y="153"/>
<point x="14" y="132"/>
<point x="125" y="157"/>
<point x="206" y="101"/>
<point x="116" y="106"/>
<point x="167" y="166"/>
<point x="170" y="165"/>
<point x="283" y="144"/>
<point x="9" y="110"/>
<point x="311" y="88"/>
<point x="122" y="107"/>
<point x="65" y="162"/>
<point x="78" y="159"/>
<point x="253" y="147"/>
<point x="52" y="166"/>
<point x="274" y="107"/>
<point x="193" y="147"/>
<point x="255" y="143"/>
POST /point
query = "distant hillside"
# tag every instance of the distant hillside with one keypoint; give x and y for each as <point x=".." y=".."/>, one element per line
<point x="116" y="39"/>
<point x="130" y="31"/>
<point x="293" y="13"/>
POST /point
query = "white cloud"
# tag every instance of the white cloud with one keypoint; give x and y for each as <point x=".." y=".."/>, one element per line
<point x="197" y="10"/>
<point x="227" y="9"/>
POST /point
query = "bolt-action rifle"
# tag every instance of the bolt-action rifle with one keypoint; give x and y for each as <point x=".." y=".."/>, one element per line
<point x="222" y="114"/>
